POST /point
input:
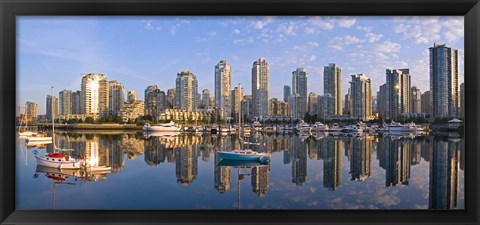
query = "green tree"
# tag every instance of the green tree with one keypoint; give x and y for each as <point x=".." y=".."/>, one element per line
<point x="89" y="120"/>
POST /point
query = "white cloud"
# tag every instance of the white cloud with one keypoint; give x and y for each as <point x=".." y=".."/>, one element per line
<point x="236" y="31"/>
<point x="321" y="23"/>
<point x="388" y="47"/>
<point x="212" y="33"/>
<point x="372" y="38"/>
<point x="147" y="24"/>
<point x="429" y="29"/>
<point x="366" y="29"/>
<point x="287" y="29"/>
<point x="313" y="57"/>
<point x="260" y="24"/>
<point x="347" y="22"/>
<point x="309" y="30"/>
<point x="314" y="44"/>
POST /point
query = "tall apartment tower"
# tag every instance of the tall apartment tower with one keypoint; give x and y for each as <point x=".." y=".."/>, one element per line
<point x="116" y="97"/>
<point x="186" y="91"/>
<point x="65" y="102"/>
<point x="206" y="98"/>
<point x="223" y="83"/>
<point x="287" y="91"/>
<point x="260" y="88"/>
<point x="76" y="102"/>
<point x="462" y="100"/>
<point x="94" y="94"/>
<point x="32" y="110"/>
<point x="427" y="103"/>
<point x="382" y="106"/>
<point x="444" y="80"/>
<point x="416" y="100"/>
<point x="299" y="88"/>
<point x="332" y="84"/>
<point x="237" y="97"/>
<point x="312" y="103"/>
<point x="398" y="92"/>
<point x="361" y="97"/>
<point x="150" y="103"/>
<point x="49" y="109"/>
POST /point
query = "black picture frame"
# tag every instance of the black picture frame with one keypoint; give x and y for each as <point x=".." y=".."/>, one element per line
<point x="9" y="9"/>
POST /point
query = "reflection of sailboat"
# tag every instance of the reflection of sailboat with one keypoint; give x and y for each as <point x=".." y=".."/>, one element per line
<point x="59" y="177"/>
<point x="240" y="176"/>
<point x="160" y="134"/>
<point x="55" y="159"/>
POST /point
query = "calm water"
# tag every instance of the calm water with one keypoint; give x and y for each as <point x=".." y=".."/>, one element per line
<point x="183" y="172"/>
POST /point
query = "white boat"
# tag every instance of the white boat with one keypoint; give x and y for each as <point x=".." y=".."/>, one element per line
<point x="169" y="127"/>
<point x="398" y="128"/>
<point x="320" y="127"/>
<point x="244" y="155"/>
<point x="335" y="128"/>
<point x="38" y="138"/>
<point x="304" y="127"/>
<point x="58" y="160"/>
<point x="352" y="129"/>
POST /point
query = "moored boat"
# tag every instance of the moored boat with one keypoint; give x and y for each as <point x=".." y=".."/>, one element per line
<point x="168" y="127"/>
<point x="244" y="155"/>
<point x="60" y="161"/>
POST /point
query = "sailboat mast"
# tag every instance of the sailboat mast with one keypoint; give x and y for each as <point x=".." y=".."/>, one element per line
<point x="53" y="121"/>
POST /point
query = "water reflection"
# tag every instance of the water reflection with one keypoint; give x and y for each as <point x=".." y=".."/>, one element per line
<point x="344" y="162"/>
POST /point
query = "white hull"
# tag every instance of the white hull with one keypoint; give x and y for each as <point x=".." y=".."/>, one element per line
<point x="62" y="164"/>
<point x="39" y="139"/>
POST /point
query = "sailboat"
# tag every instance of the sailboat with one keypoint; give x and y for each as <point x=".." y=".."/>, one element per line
<point x="56" y="159"/>
<point x="244" y="154"/>
<point x="31" y="138"/>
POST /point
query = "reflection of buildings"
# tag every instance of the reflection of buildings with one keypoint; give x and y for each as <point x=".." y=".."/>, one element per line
<point x="222" y="176"/>
<point x="260" y="180"/>
<point x="360" y="158"/>
<point x="444" y="175"/>
<point x="186" y="167"/>
<point x="395" y="159"/>
<point x="332" y="164"/>
<point x="155" y="153"/>
<point x="299" y="156"/>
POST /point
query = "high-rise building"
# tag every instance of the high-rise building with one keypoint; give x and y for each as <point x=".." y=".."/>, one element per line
<point x="150" y="102"/>
<point x="398" y="92"/>
<point x="260" y="88"/>
<point x="171" y="99"/>
<point x="287" y="91"/>
<point x="427" y="102"/>
<point x="223" y="83"/>
<point x="382" y="107"/>
<point x="361" y="91"/>
<point x="65" y="102"/>
<point x="237" y="97"/>
<point x="444" y="80"/>
<point x="299" y="88"/>
<point x="132" y="96"/>
<point x="32" y="110"/>
<point x="348" y="102"/>
<point x="50" y="107"/>
<point x="76" y="102"/>
<point x="312" y="103"/>
<point x="416" y="100"/>
<point x="332" y="84"/>
<point x="116" y="97"/>
<point x="462" y="100"/>
<point x="247" y="107"/>
<point x="94" y="94"/>
<point x="186" y="91"/>
<point x="205" y="98"/>
<point x="295" y="103"/>
<point x="323" y="102"/>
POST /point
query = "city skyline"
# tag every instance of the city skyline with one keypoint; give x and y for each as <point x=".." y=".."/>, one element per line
<point x="144" y="51"/>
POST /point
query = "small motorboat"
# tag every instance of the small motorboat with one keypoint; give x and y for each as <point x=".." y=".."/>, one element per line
<point x="166" y="127"/>
<point x="245" y="155"/>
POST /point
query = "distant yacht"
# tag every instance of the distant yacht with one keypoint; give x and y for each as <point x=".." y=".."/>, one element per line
<point x="168" y="127"/>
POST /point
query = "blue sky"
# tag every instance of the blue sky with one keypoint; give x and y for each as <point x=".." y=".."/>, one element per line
<point x="142" y="51"/>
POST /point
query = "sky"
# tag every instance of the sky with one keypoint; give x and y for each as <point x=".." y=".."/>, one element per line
<point x="143" y="51"/>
